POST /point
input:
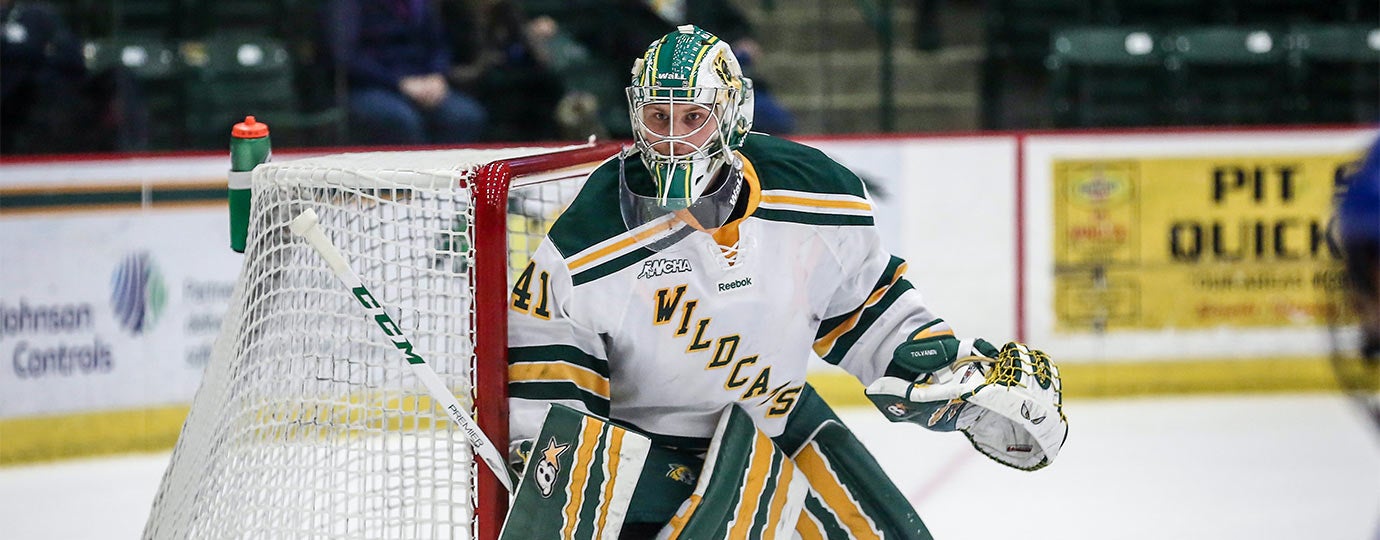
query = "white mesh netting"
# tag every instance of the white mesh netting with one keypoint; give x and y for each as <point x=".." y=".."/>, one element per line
<point x="308" y="424"/>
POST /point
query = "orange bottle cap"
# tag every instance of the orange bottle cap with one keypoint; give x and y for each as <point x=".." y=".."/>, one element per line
<point x="249" y="129"/>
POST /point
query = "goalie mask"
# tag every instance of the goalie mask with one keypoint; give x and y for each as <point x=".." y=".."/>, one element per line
<point x="690" y="108"/>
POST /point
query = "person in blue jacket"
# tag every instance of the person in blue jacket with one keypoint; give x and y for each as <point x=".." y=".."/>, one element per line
<point x="1358" y="233"/>
<point x="395" y="56"/>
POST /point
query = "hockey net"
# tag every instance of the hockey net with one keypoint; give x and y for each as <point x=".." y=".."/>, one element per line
<point x="308" y="424"/>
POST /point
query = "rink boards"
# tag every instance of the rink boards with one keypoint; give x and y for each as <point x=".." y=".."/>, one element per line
<point x="1145" y="262"/>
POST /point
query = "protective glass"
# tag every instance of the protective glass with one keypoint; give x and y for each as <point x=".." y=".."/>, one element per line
<point x="659" y="227"/>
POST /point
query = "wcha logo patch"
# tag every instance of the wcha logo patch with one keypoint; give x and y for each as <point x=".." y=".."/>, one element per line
<point x="548" y="468"/>
<point x="661" y="267"/>
<point x="137" y="293"/>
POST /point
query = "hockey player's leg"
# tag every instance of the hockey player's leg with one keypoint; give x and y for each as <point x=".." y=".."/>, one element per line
<point x="668" y="479"/>
<point x="850" y="495"/>
<point x="748" y="488"/>
<point x="579" y="479"/>
<point x="587" y="478"/>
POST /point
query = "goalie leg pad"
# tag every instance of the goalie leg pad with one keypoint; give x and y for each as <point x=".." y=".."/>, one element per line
<point x="579" y="479"/>
<point x="850" y="495"/>
<point x="668" y="479"/>
<point x="748" y="487"/>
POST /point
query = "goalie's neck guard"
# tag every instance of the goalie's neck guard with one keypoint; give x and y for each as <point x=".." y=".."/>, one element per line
<point x="641" y="207"/>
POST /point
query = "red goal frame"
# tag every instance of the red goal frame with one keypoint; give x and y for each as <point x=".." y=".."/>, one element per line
<point x="490" y="193"/>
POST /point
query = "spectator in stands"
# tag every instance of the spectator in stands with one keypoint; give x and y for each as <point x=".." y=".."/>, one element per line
<point x="769" y="115"/>
<point x="395" y="55"/>
<point x="501" y="54"/>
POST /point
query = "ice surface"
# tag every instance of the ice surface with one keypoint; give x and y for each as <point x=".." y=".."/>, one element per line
<point x="1186" y="468"/>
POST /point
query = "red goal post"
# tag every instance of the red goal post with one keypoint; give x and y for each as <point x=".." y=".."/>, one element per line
<point x="492" y="184"/>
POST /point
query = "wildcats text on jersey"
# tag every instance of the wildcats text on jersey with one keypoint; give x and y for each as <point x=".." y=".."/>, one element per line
<point x="743" y="375"/>
<point x="693" y="322"/>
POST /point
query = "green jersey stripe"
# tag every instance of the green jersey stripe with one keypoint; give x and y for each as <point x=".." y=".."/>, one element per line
<point x="810" y="218"/>
<point x="869" y="316"/>
<point x="551" y="391"/>
<point x="623" y="261"/>
<point x="888" y="276"/>
<point x="559" y="353"/>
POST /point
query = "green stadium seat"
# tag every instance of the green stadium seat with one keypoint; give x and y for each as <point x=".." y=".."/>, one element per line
<point x="1227" y="75"/>
<point x="235" y="75"/>
<point x="157" y="72"/>
<point x="1107" y="76"/>
<point x="1336" y="72"/>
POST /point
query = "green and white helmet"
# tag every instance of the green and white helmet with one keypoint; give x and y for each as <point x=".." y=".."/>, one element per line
<point x="691" y="107"/>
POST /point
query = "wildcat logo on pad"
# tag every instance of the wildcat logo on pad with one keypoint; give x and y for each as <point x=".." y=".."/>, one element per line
<point x="681" y="473"/>
<point x="548" y="468"/>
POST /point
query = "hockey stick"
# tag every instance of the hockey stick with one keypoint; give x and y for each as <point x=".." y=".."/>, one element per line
<point x="305" y="225"/>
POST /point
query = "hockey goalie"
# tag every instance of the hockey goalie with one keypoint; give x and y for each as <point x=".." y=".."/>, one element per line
<point x="660" y="335"/>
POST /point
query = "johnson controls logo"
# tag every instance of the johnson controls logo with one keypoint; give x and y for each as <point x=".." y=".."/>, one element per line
<point x="137" y="293"/>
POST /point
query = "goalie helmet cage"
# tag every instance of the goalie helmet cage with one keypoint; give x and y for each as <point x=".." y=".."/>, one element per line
<point x="308" y="422"/>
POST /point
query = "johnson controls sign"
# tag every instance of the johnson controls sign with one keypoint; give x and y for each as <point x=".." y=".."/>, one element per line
<point x="53" y="340"/>
<point x="138" y="294"/>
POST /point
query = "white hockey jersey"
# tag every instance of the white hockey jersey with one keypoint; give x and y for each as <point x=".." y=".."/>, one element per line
<point x="661" y="341"/>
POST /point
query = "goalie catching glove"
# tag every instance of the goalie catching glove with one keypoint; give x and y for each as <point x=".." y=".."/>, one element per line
<point x="1008" y="402"/>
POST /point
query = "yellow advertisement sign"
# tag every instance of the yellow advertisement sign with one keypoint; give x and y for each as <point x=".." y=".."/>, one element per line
<point x="1188" y="243"/>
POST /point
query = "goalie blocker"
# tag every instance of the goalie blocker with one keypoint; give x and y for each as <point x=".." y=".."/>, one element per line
<point x="587" y="478"/>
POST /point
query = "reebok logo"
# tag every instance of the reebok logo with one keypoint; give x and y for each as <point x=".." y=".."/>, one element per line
<point x="659" y="267"/>
<point x="735" y="284"/>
